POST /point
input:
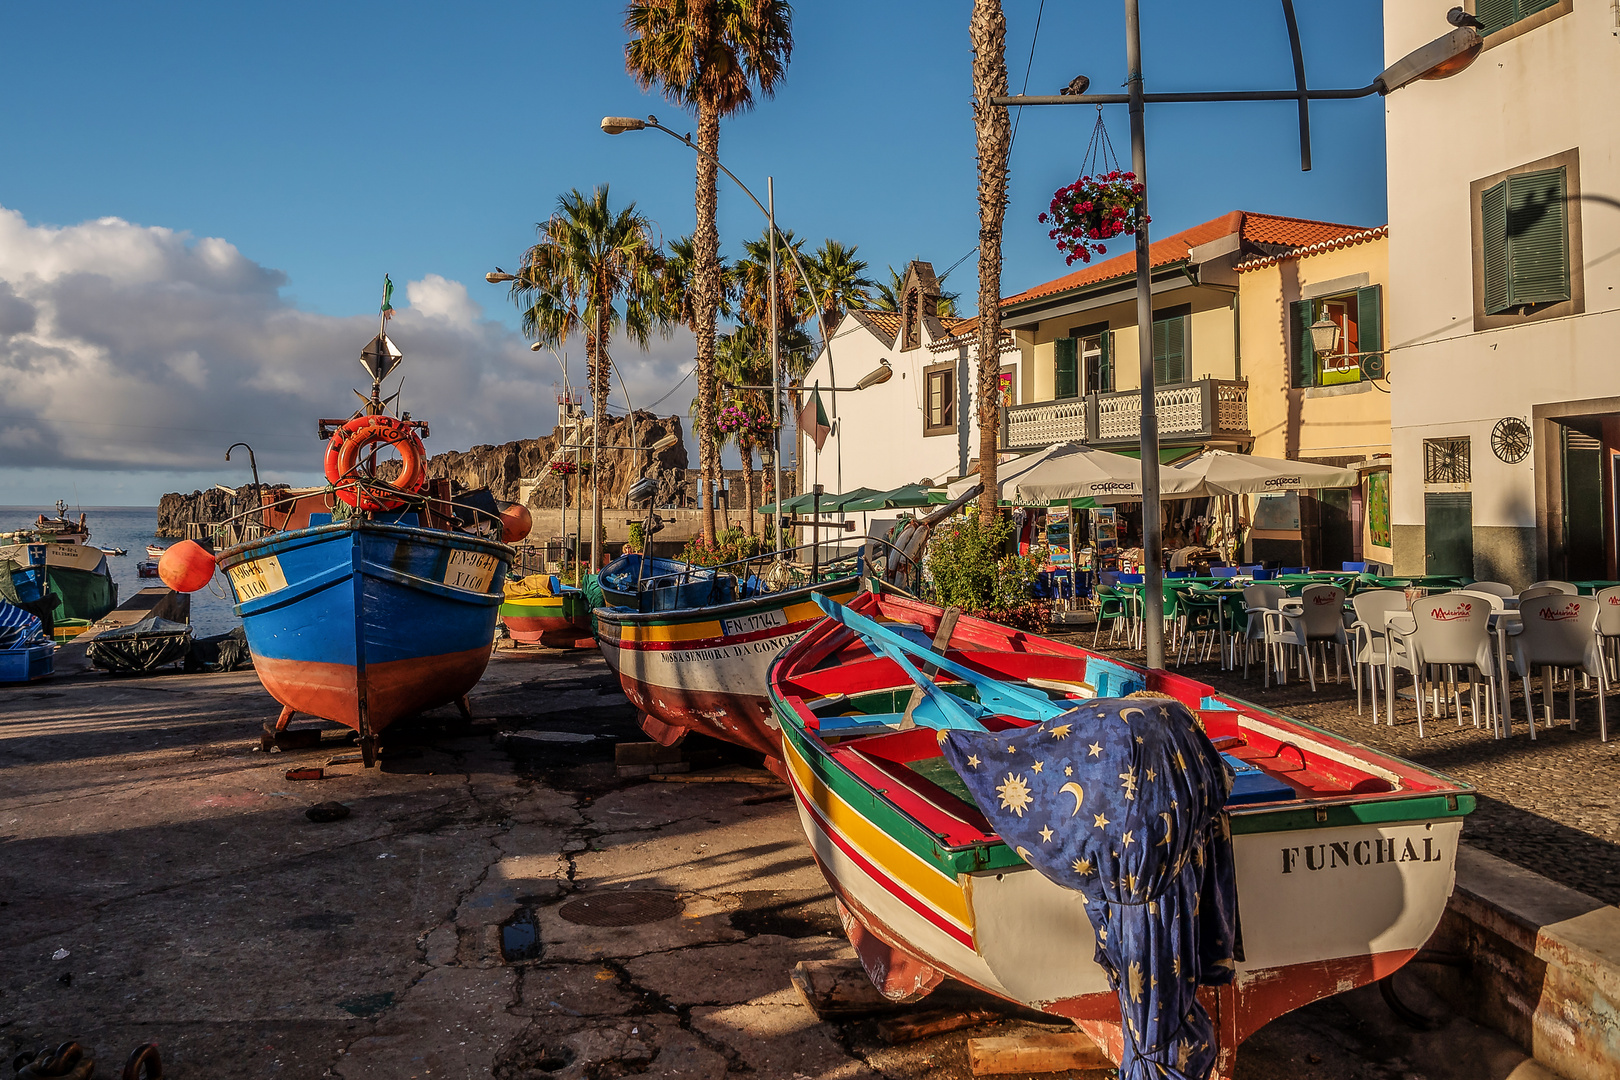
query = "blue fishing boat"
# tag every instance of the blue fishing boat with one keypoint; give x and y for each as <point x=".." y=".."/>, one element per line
<point x="381" y="610"/>
<point x="654" y="584"/>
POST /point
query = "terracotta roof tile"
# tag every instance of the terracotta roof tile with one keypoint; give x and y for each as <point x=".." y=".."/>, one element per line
<point x="887" y="321"/>
<point x="1361" y="237"/>
<point x="1266" y="229"/>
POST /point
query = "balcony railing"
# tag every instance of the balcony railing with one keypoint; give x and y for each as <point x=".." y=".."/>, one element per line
<point x="1188" y="412"/>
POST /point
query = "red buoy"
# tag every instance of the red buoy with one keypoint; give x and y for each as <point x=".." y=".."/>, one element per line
<point x="516" y="521"/>
<point x="186" y="566"/>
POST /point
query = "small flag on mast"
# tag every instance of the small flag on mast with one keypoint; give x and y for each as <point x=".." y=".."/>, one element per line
<point x="812" y="420"/>
<point x="388" y="298"/>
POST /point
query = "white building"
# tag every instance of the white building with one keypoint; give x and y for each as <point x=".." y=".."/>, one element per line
<point x="919" y="425"/>
<point x="1504" y="232"/>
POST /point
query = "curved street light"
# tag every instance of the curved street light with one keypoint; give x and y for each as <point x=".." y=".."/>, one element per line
<point x="618" y="125"/>
<point x="1443" y="57"/>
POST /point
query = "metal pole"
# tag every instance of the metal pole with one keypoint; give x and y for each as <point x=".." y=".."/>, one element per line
<point x="1152" y="542"/>
<point x="776" y="380"/>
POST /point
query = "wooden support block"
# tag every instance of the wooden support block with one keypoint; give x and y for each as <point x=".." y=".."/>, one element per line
<point x="835" y="988"/>
<point x="1034" y="1053"/>
<point x="909" y="1027"/>
<point x="645" y="753"/>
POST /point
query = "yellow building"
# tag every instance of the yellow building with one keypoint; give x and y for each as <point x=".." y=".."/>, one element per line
<point x="1322" y="408"/>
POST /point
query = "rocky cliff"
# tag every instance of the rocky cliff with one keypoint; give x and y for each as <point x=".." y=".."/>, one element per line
<point x="513" y="471"/>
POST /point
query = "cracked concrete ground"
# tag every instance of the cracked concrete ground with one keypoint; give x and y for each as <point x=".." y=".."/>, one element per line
<point x="170" y="865"/>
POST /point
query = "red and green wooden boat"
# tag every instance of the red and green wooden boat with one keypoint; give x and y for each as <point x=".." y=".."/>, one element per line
<point x="542" y="611"/>
<point x="1342" y="874"/>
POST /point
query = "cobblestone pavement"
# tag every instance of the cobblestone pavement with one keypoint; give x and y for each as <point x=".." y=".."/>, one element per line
<point x="1550" y="806"/>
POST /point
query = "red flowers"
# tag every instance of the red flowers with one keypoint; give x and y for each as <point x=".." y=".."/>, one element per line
<point x="1094" y="208"/>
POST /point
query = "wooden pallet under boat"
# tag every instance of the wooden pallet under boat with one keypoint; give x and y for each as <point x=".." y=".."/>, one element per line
<point x="1338" y="885"/>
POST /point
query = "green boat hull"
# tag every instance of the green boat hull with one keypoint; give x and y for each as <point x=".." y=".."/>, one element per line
<point x="84" y="594"/>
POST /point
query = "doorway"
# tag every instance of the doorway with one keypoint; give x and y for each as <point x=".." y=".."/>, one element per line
<point x="1584" y="554"/>
<point x="1448" y="533"/>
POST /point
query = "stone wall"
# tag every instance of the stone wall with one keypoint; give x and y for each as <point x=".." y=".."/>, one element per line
<point x="502" y="468"/>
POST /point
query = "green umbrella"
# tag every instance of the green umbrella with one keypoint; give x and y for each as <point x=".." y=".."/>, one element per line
<point x="907" y="495"/>
<point x="830" y="504"/>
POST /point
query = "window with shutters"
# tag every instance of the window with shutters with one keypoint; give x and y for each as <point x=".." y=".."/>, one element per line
<point x="1507" y="19"/>
<point x="1171" y="362"/>
<point x="1359" y="318"/>
<point x="1096" y="358"/>
<point x="939" y="399"/>
<point x="1065" y="372"/>
<point x="1526" y="238"/>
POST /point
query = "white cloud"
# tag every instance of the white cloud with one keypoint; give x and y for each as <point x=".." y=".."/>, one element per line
<point x="136" y="348"/>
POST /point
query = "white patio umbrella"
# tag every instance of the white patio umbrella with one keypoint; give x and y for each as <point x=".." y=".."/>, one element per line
<point x="1218" y="472"/>
<point x="1074" y="471"/>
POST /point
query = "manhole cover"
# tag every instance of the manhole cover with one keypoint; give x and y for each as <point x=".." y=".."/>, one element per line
<point x="621" y="909"/>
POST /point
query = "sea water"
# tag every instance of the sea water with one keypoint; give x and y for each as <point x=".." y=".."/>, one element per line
<point x="132" y="528"/>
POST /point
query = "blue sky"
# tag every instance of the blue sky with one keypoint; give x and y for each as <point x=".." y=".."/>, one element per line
<point x="329" y="143"/>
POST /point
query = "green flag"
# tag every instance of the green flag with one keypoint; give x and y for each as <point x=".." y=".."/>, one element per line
<point x="813" y="421"/>
<point x="388" y="298"/>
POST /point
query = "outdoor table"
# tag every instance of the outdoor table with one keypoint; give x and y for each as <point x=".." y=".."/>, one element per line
<point x="1231" y="600"/>
<point x="1592" y="588"/>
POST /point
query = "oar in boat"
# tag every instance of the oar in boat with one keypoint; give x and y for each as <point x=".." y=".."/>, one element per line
<point x="996" y="697"/>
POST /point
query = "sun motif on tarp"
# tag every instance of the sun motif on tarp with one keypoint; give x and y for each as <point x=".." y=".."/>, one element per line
<point x="1014" y="792"/>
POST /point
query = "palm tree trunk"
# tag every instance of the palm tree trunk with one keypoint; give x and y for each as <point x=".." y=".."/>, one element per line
<point x="745" y="444"/>
<point x="987" y="31"/>
<point x="599" y="395"/>
<point x="706" y="287"/>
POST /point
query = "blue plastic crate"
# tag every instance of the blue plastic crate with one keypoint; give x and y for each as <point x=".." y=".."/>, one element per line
<point x="25" y="665"/>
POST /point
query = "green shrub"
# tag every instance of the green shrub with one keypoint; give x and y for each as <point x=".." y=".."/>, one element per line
<point x="967" y="568"/>
<point x="731" y="546"/>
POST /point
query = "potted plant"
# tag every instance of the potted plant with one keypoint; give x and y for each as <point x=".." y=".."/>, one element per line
<point x="1093" y="209"/>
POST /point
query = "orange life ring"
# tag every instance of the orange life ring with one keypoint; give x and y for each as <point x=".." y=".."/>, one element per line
<point x="343" y="453"/>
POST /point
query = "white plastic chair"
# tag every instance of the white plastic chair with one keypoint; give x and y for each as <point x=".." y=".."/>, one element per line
<point x="1321" y="620"/>
<point x="1608" y="620"/>
<point x="1535" y="591"/>
<point x="1494" y="587"/>
<point x="1561" y="631"/>
<point x="1257" y="600"/>
<point x="1565" y="587"/>
<point x="1452" y="632"/>
<point x="1369" y="642"/>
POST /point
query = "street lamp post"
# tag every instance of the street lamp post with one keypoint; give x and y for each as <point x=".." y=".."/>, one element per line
<point x="1439" y="59"/>
<point x="617" y="125"/>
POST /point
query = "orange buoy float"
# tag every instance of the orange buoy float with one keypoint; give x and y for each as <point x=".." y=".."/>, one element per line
<point x="343" y="454"/>
<point x="516" y="521"/>
<point x="186" y="566"/>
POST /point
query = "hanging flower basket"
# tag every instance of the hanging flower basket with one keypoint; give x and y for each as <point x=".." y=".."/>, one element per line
<point x="564" y="468"/>
<point x="735" y="418"/>
<point x="1093" y="209"/>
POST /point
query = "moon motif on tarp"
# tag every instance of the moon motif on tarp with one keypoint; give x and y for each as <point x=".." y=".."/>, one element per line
<point x="1079" y="794"/>
<point x="1125" y="714"/>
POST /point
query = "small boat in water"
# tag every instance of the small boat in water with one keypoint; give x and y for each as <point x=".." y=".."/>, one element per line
<point x="1344" y="856"/>
<point x="692" y="645"/>
<point x="55" y="557"/>
<point x="384" y="609"/>
<point x="155" y="551"/>
<point x="115" y="551"/>
<point x="540" y="610"/>
<point x="146" y="569"/>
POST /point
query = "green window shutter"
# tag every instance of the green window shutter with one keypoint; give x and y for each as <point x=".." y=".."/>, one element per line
<point x="1170" y="350"/>
<point x="1369" y="319"/>
<point x="1537" y="238"/>
<point x="1105" y="363"/>
<point x="1494" y="247"/>
<point x="1302" y="314"/>
<point x="1065" y="383"/>
<point x="1496" y="14"/>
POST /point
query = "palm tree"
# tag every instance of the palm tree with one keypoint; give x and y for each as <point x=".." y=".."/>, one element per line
<point x="987" y="32"/>
<point x="709" y="56"/>
<point x="840" y="281"/>
<point x="739" y="358"/>
<point x="589" y="258"/>
<point x="750" y="281"/>
<point x="888" y="296"/>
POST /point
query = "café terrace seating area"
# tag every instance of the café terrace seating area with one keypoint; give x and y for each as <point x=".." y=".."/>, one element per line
<point x="1417" y="651"/>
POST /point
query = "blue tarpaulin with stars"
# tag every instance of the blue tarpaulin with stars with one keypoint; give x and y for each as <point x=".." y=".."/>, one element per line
<point x="1122" y="800"/>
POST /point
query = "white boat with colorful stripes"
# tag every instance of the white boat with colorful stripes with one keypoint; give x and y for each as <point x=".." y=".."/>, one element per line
<point x="1342" y="873"/>
<point x="704" y="668"/>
